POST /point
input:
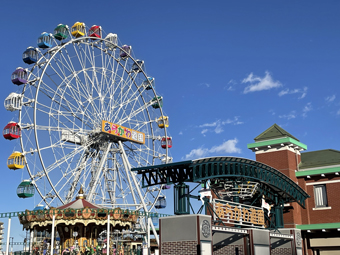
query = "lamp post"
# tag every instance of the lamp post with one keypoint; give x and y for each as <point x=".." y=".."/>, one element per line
<point x="12" y="245"/>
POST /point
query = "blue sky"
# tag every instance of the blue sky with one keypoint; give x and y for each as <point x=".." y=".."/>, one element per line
<point x="227" y="70"/>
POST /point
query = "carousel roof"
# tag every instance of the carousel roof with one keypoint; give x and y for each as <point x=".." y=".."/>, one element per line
<point x="79" y="203"/>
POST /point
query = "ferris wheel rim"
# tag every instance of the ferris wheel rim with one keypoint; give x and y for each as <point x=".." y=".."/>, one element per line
<point x="35" y="106"/>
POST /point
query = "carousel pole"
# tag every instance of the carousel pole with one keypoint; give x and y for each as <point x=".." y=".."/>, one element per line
<point x="52" y="236"/>
<point x="8" y="234"/>
<point x="108" y="235"/>
<point x="31" y="241"/>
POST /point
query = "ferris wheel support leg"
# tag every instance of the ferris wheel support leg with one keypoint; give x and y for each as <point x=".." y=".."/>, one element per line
<point x="8" y="234"/>
<point x="98" y="172"/>
<point x="127" y="168"/>
<point x="139" y="193"/>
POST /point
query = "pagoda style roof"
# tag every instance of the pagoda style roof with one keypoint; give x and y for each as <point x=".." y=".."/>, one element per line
<point x="319" y="158"/>
<point x="274" y="132"/>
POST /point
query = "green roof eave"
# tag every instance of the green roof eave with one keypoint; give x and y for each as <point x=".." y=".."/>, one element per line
<point x="318" y="171"/>
<point x="319" y="226"/>
<point x="276" y="141"/>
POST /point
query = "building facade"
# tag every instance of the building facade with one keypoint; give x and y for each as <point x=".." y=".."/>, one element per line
<point x="317" y="173"/>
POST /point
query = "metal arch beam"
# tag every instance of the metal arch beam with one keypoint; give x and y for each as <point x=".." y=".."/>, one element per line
<point x="223" y="168"/>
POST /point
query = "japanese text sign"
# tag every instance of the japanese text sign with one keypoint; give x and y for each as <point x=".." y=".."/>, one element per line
<point x="123" y="133"/>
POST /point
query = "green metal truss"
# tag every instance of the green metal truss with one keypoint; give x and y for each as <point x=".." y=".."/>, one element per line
<point x="272" y="182"/>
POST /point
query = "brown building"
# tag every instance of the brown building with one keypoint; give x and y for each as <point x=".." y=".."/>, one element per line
<point x="316" y="172"/>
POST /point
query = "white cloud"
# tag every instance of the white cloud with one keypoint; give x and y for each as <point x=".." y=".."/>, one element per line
<point x="231" y="85"/>
<point x="234" y="121"/>
<point x="294" y="91"/>
<point x="204" y="131"/>
<point x="180" y="133"/>
<point x="205" y="84"/>
<point x="226" y="147"/>
<point x="259" y="84"/>
<point x="291" y="115"/>
<point x="338" y="113"/>
<point x="307" y="108"/>
<point x="330" y="98"/>
<point x="217" y="126"/>
<point x="197" y="153"/>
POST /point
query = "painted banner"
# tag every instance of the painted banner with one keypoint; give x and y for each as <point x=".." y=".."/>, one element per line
<point x="240" y="214"/>
<point x="123" y="133"/>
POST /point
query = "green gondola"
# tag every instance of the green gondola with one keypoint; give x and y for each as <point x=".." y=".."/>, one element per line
<point x="25" y="189"/>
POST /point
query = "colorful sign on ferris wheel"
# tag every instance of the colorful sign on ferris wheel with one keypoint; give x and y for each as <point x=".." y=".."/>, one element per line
<point x="123" y="133"/>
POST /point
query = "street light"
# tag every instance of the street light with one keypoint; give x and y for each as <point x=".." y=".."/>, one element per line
<point x="12" y="245"/>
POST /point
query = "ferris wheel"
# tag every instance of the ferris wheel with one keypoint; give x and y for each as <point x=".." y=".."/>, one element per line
<point x="87" y="114"/>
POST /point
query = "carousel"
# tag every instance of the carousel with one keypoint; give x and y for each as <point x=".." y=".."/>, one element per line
<point x="79" y="227"/>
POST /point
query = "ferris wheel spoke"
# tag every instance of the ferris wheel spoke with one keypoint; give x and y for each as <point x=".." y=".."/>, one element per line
<point x="66" y="158"/>
<point x="97" y="173"/>
<point x="136" y="112"/>
<point x="76" y="178"/>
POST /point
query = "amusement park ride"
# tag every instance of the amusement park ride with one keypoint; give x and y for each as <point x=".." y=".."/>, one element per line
<point x="87" y="114"/>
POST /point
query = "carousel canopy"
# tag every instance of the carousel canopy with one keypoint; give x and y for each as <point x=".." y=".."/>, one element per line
<point x="79" y="203"/>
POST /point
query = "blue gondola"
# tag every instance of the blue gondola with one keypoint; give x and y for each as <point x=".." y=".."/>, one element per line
<point x="30" y="55"/>
<point x="45" y="40"/>
<point x="149" y="83"/>
<point x="161" y="202"/>
<point x="155" y="219"/>
<point x="39" y="207"/>
<point x="138" y="66"/>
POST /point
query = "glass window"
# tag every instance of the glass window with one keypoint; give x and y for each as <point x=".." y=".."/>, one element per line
<point x="320" y="196"/>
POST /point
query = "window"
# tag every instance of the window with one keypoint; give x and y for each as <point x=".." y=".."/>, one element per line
<point x="320" y="196"/>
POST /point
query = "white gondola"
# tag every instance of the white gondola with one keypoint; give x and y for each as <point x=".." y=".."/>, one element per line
<point x="111" y="41"/>
<point x="13" y="102"/>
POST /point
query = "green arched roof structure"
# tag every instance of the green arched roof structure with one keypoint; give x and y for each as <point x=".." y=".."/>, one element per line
<point x="272" y="182"/>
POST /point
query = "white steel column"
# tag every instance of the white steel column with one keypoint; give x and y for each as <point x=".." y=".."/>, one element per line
<point x="108" y="235"/>
<point x="127" y="168"/>
<point x="52" y="236"/>
<point x="96" y="179"/>
<point x="138" y="190"/>
<point x="8" y="234"/>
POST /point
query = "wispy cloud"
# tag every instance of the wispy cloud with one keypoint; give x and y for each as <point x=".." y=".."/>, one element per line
<point x="231" y="85"/>
<point x="205" y="84"/>
<point x="258" y="84"/>
<point x="180" y="133"/>
<point x="226" y="147"/>
<point x="291" y="115"/>
<point x="338" y="113"/>
<point x="303" y="92"/>
<point x="306" y="109"/>
<point x="217" y="126"/>
<point x="204" y="131"/>
<point x="330" y="99"/>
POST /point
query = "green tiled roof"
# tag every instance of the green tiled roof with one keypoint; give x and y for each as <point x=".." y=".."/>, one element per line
<point x="319" y="158"/>
<point x="273" y="132"/>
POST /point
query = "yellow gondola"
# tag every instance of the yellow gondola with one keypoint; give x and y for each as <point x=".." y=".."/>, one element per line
<point x="78" y="29"/>
<point x="163" y="121"/>
<point x="16" y="161"/>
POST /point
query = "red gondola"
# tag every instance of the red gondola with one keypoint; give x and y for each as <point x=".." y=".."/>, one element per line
<point x="166" y="142"/>
<point x="12" y="131"/>
<point x="95" y="31"/>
